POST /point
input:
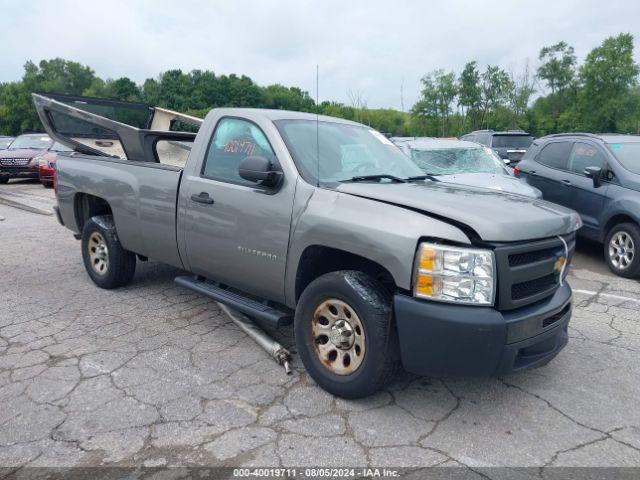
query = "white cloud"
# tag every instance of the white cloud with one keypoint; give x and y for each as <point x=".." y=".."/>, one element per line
<point x="365" y="46"/>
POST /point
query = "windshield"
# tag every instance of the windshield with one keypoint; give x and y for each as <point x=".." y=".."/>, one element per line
<point x="628" y="154"/>
<point x="35" y="142"/>
<point x="345" y="151"/>
<point x="512" y="141"/>
<point x="5" y="142"/>
<point x="449" y="161"/>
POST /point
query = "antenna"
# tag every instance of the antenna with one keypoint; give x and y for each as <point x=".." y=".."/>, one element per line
<point x="317" y="128"/>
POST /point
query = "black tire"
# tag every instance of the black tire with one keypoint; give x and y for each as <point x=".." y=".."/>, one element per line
<point x="120" y="264"/>
<point x="631" y="269"/>
<point x="4" y="180"/>
<point x="372" y="305"/>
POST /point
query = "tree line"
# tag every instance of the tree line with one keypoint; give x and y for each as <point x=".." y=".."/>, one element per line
<point x="600" y="95"/>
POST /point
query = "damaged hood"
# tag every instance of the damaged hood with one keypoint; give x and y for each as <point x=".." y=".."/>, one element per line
<point x="495" y="216"/>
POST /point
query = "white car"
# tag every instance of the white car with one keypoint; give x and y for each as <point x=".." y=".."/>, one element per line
<point x="463" y="163"/>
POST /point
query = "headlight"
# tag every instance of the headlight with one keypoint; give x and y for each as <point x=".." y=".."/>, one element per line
<point x="454" y="274"/>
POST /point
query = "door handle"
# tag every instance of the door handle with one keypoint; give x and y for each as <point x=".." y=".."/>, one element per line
<point x="202" y="197"/>
<point x="566" y="182"/>
<point x="531" y="172"/>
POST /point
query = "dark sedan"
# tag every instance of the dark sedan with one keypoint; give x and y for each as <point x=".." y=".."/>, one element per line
<point x="19" y="160"/>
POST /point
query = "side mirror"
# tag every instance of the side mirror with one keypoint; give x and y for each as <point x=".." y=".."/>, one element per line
<point x="259" y="170"/>
<point x="594" y="173"/>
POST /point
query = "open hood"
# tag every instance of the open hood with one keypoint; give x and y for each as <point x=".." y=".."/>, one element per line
<point x="494" y="216"/>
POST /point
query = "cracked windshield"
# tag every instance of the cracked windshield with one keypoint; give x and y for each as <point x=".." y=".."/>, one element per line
<point x="451" y="161"/>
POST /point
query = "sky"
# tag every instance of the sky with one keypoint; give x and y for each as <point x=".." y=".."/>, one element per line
<point x="377" y="50"/>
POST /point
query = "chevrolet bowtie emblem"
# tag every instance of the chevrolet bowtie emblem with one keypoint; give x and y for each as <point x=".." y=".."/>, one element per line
<point x="560" y="262"/>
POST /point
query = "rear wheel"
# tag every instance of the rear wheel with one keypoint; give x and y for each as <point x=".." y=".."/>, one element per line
<point x="107" y="263"/>
<point x="345" y="334"/>
<point x="622" y="250"/>
<point x="4" y="180"/>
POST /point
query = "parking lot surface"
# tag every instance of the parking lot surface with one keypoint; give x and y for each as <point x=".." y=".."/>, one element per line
<point x="153" y="374"/>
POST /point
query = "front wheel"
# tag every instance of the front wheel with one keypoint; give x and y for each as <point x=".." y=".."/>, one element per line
<point x="622" y="250"/>
<point x="345" y="334"/>
<point x="107" y="263"/>
<point x="4" y="180"/>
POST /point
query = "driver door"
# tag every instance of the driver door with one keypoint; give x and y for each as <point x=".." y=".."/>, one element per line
<point x="236" y="232"/>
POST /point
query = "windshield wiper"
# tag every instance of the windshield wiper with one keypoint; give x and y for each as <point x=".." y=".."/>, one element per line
<point x="364" y="178"/>
<point x="428" y="176"/>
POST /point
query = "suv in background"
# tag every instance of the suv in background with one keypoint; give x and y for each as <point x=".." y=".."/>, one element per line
<point x="510" y="145"/>
<point x="599" y="177"/>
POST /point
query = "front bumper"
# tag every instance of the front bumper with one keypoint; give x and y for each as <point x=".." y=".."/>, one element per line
<point x="18" y="172"/>
<point x="452" y="340"/>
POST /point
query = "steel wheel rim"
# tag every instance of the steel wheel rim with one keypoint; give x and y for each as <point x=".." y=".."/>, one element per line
<point x="621" y="250"/>
<point x="98" y="253"/>
<point x="338" y="336"/>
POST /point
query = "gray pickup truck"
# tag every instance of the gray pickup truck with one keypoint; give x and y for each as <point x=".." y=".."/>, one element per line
<point x="292" y="217"/>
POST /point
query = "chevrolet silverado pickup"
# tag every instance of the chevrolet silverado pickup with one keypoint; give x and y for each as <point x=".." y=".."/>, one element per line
<point x="299" y="218"/>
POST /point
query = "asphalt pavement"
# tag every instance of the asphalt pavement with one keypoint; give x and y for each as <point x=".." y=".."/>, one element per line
<point x="153" y="374"/>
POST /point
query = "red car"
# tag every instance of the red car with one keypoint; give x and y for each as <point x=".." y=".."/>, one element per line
<point x="17" y="161"/>
<point x="47" y="164"/>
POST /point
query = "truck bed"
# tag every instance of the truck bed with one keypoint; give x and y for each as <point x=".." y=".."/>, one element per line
<point x="142" y="196"/>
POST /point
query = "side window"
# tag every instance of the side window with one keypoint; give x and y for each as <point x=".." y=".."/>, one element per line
<point x="172" y="152"/>
<point x="584" y="155"/>
<point x="484" y="139"/>
<point x="87" y="133"/>
<point x="555" y="155"/>
<point x="233" y="141"/>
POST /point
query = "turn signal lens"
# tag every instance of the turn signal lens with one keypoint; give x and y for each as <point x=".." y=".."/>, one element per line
<point x="428" y="259"/>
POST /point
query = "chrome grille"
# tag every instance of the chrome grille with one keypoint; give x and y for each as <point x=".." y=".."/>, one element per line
<point x="14" y="162"/>
<point x="527" y="271"/>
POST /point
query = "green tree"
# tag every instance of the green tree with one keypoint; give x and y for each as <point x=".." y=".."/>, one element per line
<point x="558" y="72"/>
<point x="494" y="88"/>
<point x="120" y="89"/>
<point x="280" y="97"/>
<point x="608" y="76"/>
<point x="519" y="91"/>
<point x="18" y="114"/>
<point x="558" y="66"/>
<point x="439" y="90"/>
<point x="469" y="95"/>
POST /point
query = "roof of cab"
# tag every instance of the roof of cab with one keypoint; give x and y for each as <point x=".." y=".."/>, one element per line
<point x="274" y="115"/>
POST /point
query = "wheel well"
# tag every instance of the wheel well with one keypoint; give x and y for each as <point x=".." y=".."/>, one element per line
<point x="317" y="260"/>
<point x="87" y="206"/>
<point x="615" y="220"/>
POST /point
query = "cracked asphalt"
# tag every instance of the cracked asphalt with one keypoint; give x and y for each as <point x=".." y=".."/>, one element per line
<point x="155" y="375"/>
